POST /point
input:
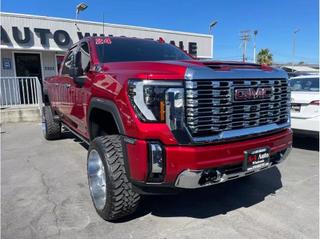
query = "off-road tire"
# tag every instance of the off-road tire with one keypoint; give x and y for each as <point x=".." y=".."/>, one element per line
<point x="121" y="200"/>
<point x="51" y="127"/>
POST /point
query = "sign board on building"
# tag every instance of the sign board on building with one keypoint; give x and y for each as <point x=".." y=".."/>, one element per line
<point x="6" y="63"/>
<point x="21" y="31"/>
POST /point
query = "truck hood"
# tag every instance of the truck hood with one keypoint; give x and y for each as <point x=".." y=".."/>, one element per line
<point x="191" y="69"/>
<point x="151" y="69"/>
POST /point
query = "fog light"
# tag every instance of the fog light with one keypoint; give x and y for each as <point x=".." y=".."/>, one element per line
<point x="156" y="158"/>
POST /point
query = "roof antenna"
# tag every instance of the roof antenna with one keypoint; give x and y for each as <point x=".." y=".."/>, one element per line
<point x="103" y="24"/>
<point x="103" y="44"/>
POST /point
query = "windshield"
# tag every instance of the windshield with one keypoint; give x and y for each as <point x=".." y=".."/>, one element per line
<point x="305" y="84"/>
<point x="128" y="49"/>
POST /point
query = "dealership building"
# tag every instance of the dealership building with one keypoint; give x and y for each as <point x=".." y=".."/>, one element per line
<point x="35" y="45"/>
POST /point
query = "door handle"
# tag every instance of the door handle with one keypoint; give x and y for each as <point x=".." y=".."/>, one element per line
<point x="56" y="84"/>
<point x="67" y="85"/>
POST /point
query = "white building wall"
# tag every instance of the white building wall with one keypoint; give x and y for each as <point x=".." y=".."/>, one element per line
<point x="49" y="65"/>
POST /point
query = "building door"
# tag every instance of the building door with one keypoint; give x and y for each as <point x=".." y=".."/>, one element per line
<point x="27" y="64"/>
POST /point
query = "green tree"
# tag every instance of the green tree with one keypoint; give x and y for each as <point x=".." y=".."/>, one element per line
<point x="264" y="57"/>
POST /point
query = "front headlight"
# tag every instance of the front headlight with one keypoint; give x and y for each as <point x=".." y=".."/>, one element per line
<point x="148" y="98"/>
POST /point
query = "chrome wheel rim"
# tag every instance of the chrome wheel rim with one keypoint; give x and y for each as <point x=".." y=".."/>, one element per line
<point x="97" y="179"/>
<point x="44" y="127"/>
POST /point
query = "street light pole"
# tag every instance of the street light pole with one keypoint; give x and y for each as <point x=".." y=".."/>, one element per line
<point x="294" y="46"/>
<point x="211" y="26"/>
<point x="80" y="7"/>
<point x="255" y="33"/>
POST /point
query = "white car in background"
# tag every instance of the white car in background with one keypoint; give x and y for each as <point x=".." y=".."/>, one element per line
<point x="305" y="104"/>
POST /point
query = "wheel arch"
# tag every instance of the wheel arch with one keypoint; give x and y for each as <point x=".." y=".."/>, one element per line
<point x="104" y="108"/>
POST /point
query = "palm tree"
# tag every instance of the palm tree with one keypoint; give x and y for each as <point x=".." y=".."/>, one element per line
<point x="264" y="57"/>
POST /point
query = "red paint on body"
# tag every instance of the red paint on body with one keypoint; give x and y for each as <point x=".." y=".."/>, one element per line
<point x="110" y="81"/>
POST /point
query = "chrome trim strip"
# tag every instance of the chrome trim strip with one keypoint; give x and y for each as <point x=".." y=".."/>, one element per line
<point x="203" y="73"/>
<point x="156" y="158"/>
<point x="229" y="134"/>
<point x="189" y="179"/>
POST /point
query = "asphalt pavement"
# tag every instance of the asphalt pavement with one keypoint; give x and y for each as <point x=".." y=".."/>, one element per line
<point x="44" y="194"/>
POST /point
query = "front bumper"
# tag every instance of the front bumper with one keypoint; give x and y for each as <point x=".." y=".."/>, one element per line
<point x="194" y="178"/>
<point x="185" y="162"/>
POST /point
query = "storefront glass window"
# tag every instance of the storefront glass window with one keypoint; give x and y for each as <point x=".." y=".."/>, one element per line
<point x="59" y="59"/>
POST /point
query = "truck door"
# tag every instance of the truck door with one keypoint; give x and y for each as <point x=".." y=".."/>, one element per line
<point x="79" y="91"/>
<point x="63" y="86"/>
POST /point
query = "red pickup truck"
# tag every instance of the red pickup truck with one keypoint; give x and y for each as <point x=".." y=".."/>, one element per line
<point x="158" y="121"/>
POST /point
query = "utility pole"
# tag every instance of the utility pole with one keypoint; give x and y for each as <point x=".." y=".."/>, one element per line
<point x="255" y="33"/>
<point x="244" y="37"/>
<point x="294" y="46"/>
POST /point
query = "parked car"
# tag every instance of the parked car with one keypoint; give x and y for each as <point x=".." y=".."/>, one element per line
<point x="305" y="104"/>
<point x="158" y="121"/>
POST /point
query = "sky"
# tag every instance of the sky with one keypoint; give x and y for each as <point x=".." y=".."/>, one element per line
<point x="275" y="21"/>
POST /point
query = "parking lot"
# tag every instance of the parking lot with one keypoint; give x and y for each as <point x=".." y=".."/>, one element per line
<point x="45" y="195"/>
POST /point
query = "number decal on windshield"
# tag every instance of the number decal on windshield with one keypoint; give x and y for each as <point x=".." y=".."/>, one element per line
<point x="106" y="40"/>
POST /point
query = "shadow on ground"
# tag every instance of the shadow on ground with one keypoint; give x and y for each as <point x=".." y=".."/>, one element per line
<point x="214" y="200"/>
<point x="305" y="142"/>
<point x="208" y="201"/>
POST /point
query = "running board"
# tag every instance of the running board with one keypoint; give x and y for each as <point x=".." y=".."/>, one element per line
<point x="76" y="134"/>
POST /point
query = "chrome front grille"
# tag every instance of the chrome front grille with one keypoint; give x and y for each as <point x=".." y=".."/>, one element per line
<point x="211" y="108"/>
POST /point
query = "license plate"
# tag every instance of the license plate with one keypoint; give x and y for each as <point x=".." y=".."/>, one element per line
<point x="256" y="159"/>
<point x="295" y="107"/>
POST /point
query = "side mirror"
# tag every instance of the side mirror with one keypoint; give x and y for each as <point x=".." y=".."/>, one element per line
<point x="77" y="62"/>
<point x="78" y="71"/>
<point x="73" y="72"/>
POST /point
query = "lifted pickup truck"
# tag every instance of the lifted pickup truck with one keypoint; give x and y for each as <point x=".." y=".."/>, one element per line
<point x="158" y="121"/>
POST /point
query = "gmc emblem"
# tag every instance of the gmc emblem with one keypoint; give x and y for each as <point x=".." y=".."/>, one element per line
<point x="252" y="93"/>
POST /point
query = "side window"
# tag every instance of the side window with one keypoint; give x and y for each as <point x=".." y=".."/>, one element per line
<point x="85" y="56"/>
<point x="68" y="64"/>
